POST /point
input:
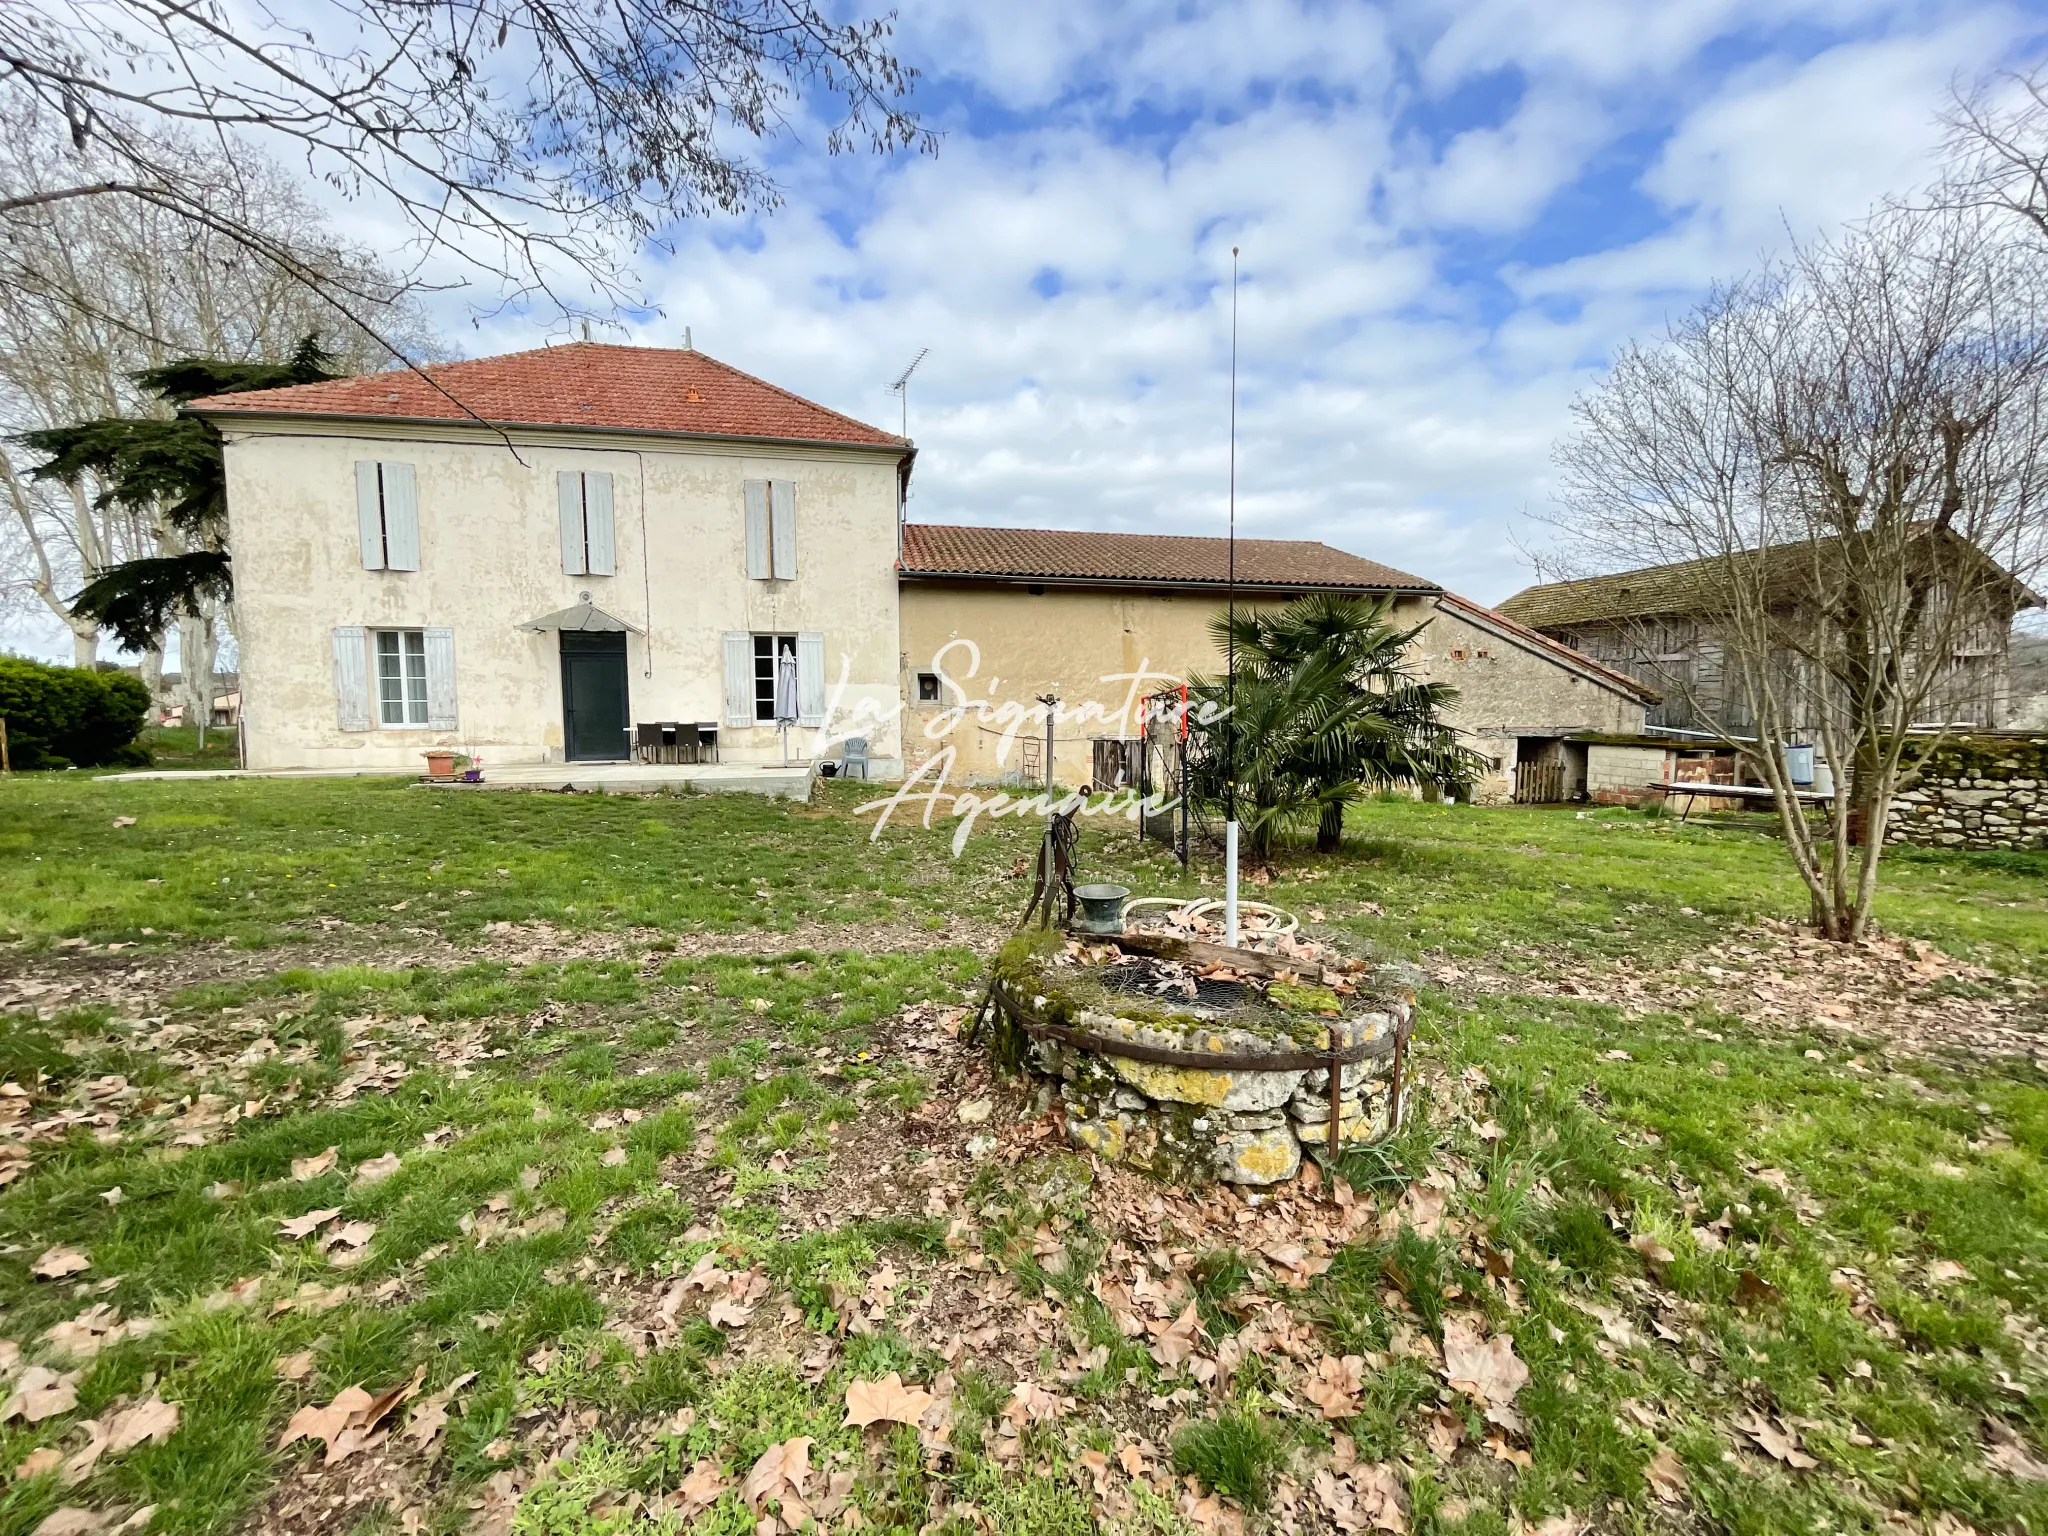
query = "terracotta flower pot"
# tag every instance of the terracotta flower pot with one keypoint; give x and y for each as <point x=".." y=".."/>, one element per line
<point x="441" y="765"/>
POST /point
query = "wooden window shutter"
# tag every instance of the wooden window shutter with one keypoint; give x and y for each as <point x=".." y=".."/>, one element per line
<point x="782" y="527"/>
<point x="810" y="680"/>
<point x="739" y="678"/>
<point x="441" y="679"/>
<point x="758" y="568"/>
<point x="369" y="514"/>
<point x="401" y="518"/>
<point x="569" y="497"/>
<point x="351" y="676"/>
<point x="597" y="522"/>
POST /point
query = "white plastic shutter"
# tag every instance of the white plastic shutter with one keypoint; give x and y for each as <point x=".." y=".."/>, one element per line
<point x="569" y="498"/>
<point x="810" y="679"/>
<point x="351" y="677"/>
<point x="401" y="518"/>
<point x="739" y="678"/>
<point x="782" y="525"/>
<point x="757" y="530"/>
<point x="369" y="515"/>
<point x="597" y="522"/>
<point x="441" y="679"/>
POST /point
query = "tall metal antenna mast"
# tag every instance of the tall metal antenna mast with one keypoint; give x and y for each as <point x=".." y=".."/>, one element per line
<point x="902" y="385"/>
<point x="1230" y="654"/>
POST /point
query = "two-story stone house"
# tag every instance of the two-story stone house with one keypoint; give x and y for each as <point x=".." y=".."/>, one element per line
<point x="530" y="554"/>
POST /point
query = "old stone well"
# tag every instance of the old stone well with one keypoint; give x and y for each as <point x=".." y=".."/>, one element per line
<point x="1194" y="1061"/>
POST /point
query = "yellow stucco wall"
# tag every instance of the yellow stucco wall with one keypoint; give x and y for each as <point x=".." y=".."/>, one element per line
<point x="1000" y="646"/>
<point x="490" y="559"/>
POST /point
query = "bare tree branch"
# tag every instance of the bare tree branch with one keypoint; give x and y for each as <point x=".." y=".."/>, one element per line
<point x="1842" y="462"/>
<point x="534" y="145"/>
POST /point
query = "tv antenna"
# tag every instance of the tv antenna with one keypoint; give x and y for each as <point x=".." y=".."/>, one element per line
<point x="901" y="387"/>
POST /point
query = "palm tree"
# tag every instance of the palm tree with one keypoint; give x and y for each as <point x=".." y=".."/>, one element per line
<point x="1325" y="711"/>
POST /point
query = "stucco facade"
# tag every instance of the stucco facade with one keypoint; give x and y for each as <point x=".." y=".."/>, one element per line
<point x="995" y="647"/>
<point x="490" y="558"/>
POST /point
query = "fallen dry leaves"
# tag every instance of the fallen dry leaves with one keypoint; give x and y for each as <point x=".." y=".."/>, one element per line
<point x="1776" y="1440"/>
<point x="304" y="1168"/>
<point x="58" y="1262"/>
<point x="1367" y="1497"/>
<point x="121" y="1431"/>
<point x="351" y="1422"/>
<point x="1336" y="1385"/>
<point x="1176" y="1341"/>
<point x="1483" y="1368"/>
<point x="887" y="1401"/>
<point x="308" y="1224"/>
<point x="780" y="1475"/>
<point x="1666" y="1475"/>
<point x="429" y="1415"/>
<point x="40" y="1393"/>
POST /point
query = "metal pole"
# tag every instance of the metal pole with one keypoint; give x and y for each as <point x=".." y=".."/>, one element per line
<point x="1230" y="654"/>
<point x="1051" y="702"/>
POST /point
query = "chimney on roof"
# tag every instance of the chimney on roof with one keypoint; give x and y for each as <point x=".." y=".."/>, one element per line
<point x="586" y="330"/>
<point x="688" y="346"/>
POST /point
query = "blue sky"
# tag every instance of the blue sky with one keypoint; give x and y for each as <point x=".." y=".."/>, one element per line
<point x="1450" y="214"/>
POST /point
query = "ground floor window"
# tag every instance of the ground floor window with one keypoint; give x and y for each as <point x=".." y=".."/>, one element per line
<point x="401" y="677"/>
<point x="766" y="649"/>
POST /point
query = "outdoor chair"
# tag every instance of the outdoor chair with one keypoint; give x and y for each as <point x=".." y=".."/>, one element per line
<point x="647" y="741"/>
<point x="853" y="756"/>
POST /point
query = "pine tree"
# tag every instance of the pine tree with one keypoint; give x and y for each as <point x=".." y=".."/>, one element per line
<point x="173" y="467"/>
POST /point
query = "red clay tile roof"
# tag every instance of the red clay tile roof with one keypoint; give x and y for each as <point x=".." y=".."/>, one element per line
<point x="581" y="384"/>
<point x="1537" y="640"/>
<point x="1139" y="559"/>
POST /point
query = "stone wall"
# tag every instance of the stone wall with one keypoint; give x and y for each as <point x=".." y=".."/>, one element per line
<point x="1618" y="775"/>
<point x="1977" y="792"/>
<point x="1189" y="1125"/>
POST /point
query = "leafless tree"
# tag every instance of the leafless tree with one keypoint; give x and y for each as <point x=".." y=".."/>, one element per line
<point x="92" y="291"/>
<point x="537" y="143"/>
<point x="1850" y="446"/>
<point x="1997" y="148"/>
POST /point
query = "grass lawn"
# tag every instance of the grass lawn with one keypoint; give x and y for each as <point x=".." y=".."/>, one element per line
<point x="582" y="1166"/>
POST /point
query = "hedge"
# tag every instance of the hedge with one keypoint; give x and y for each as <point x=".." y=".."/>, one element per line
<point x="60" y="717"/>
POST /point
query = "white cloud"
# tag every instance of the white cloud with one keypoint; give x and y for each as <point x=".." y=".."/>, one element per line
<point x="1417" y="312"/>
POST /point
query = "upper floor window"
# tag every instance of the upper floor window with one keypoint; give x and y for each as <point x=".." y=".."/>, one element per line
<point x="771" y="529"/>
<point x="387" y="516"/>
<point x="585" y="499"/>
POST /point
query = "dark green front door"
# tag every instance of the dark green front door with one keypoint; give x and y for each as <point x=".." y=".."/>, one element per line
<point x="594" y="713"/>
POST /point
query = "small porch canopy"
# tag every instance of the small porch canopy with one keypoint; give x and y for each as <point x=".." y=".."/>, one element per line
<point x="584" y="618"/>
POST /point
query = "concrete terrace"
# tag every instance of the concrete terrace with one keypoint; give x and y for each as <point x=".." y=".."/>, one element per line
<point x="772" y="780"/>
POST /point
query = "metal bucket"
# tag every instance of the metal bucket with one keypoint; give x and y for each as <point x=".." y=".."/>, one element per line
<point x="1799" y="765"/>
<point x="1102" y="908"/>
